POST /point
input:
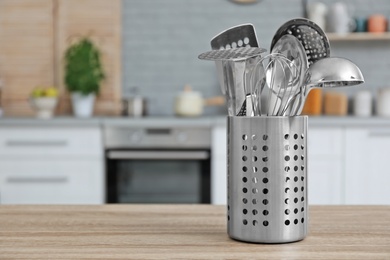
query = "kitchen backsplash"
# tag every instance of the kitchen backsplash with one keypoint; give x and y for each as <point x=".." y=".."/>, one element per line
<point x="161" y="41"/>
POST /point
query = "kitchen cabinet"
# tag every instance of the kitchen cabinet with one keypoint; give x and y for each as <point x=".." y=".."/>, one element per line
<point x="325" y="165"/>
<point x="367" y="169"/>
<point x="50" y="182"/>
<point x="218" y="166"/>
<point x="51" y="165"/>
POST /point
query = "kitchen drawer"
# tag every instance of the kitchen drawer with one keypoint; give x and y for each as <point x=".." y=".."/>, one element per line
<point x="51" y="182"/>
<point x="326" y="141"/>
<point x="36" y="141"/>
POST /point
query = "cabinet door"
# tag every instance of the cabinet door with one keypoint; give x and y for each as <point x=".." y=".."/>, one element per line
<point x="367" y="166"/>
<point x="51" y="182"/>
<point x="26" y="51"/>
<point x="325" y="165"/>
<point x="219" y="166"/>
<point x="325" y="181"/>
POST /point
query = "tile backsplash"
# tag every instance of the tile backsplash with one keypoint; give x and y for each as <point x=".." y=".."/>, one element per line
<point x="162" y="39"/>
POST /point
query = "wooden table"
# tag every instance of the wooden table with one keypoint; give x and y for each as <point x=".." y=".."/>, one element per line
<point x="182" y="232"/>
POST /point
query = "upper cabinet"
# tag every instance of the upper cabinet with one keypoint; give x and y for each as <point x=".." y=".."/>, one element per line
<point x="26" y="51"/>
<point x="34" y="35"/>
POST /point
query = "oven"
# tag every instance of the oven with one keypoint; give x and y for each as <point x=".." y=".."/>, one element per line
<point x="157" y="164"/>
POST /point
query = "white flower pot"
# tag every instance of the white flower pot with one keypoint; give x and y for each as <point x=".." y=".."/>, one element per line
<point x="83" y="104"/>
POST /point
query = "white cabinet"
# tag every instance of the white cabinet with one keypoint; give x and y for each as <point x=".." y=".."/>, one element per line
<point x="218" y="166"/>
<point x="51" y="165"/>
<point x="325" y="165"/>
<point x="367" y="166"/>
<point x="50" y="182"/>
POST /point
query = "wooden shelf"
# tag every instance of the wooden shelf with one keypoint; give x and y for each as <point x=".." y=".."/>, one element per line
<point x="359" y="36"/>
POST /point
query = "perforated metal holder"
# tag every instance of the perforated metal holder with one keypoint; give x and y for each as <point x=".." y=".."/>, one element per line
<point x="267" y="179"/>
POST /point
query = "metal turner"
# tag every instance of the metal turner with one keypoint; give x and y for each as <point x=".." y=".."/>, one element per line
<point x="232" y="54"/>
<point x="237" y="72"/>
<point x="243" y="35"/>
<point x="239" y="36"/>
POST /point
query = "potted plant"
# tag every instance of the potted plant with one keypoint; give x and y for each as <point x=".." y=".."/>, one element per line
<point x="83" y="75"/>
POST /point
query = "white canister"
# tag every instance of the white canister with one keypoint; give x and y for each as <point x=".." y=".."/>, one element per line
<point x="383" y="102"/>
<point x="189" y="103"/>
<point x="362" y="103"/>
<point x="338" y="19"/>
<point x="317" y="12"/>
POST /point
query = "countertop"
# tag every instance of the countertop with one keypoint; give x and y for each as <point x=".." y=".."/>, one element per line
<point x="204" y="121"/>
<point x="182" y="232"/>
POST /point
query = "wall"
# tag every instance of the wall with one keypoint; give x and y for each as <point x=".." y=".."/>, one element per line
<point x="162" y="39"/>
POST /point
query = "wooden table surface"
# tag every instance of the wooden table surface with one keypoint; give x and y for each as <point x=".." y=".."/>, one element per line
<point x="182" y="232"/>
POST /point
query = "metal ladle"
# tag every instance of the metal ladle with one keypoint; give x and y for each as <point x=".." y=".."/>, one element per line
<point x="328" y="73"/>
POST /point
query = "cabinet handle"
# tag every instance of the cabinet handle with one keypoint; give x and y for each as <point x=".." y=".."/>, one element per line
<point x="36" y="143"/>
<point x="37" y="180"/>
<point x="158" y="155"/>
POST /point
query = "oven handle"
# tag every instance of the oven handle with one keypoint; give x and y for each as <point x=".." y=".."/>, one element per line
<point x="158" y="155"/>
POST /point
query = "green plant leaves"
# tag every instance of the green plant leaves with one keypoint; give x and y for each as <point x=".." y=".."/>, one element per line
<point x="83" y="68"/>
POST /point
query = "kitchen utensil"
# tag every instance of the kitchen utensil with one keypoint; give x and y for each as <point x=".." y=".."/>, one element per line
<point x="278" y="66"/>
<point x="329" y="73"/>
<point x="236" y="54"/>
<point x="309" y="34"/>
<point x="237" y="71"/>
<point x="243" y="35"/>
<point x="258" y="82"/>
<point x="362" y="103"/>
<point x="235" y="37"/>
<point x="278" y="76"/>
<point x="267" y="179"/>
<point x="289" y="47"/>
<point x="134" y="106"/>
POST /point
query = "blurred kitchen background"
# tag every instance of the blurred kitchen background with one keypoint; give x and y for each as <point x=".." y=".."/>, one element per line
<point x="140" y="145"/>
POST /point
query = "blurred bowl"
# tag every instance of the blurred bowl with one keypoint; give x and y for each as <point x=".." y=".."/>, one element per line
<point x="44" y="106"/>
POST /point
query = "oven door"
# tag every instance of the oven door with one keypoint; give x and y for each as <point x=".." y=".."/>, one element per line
<point x="158" y="176"/>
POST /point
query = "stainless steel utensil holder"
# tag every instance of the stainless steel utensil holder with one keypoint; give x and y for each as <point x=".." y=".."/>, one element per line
<point x="267" y="179"/>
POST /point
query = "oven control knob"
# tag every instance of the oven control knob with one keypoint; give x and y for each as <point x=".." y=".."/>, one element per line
<point x="182" y="137"/>
<point x="136" y="137"/>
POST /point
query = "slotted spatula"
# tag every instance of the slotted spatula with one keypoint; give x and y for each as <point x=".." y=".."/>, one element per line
<point x="243" y="35"/>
